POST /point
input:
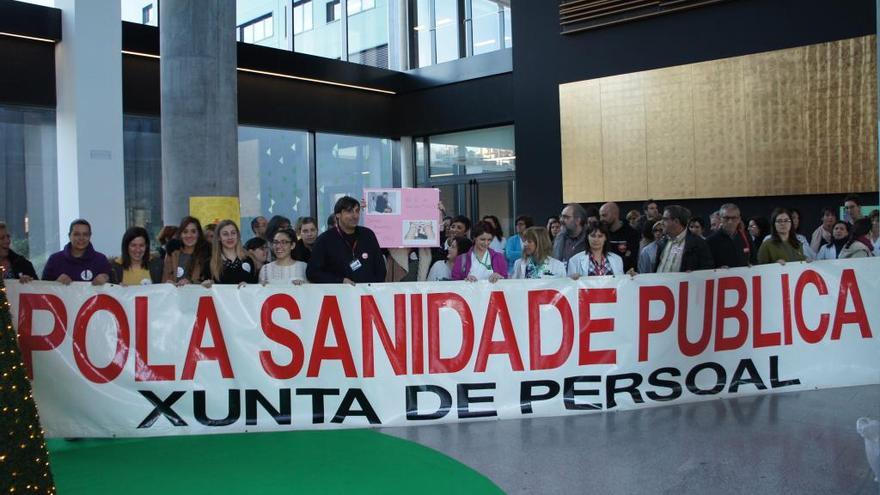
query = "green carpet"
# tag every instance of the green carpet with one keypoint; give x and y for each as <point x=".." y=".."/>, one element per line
<point x="329" y="461"/>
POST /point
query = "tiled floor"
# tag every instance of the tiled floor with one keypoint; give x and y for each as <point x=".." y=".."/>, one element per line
<point x="798" y="442"/>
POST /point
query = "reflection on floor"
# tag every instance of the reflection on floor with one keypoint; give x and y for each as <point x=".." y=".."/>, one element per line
<point x="798" y="442"/>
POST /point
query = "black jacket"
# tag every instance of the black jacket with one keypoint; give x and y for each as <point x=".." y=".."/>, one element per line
<point x="696" y="255"/>
<point x="624" y="243"/>
<point x="21" y="266"/>
<point x="730" y="251"/>
<point x="333" y="253"/>
<point x="301" y="252"/>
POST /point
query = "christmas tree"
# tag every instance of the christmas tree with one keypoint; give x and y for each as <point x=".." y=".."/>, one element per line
<point x="24" y="460"/>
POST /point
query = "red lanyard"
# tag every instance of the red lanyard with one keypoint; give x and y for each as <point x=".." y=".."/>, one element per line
<point x="352" y="246"/>
<point x="747" y="248"/>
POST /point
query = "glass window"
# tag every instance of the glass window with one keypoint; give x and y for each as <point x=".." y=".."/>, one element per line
<point x="29" y="179"/>
<point x="446" y="30"/>
<point x="273" y="174"/>
<point x="485" y="24"/>
<point x="323" y="38"/>
<point x="508" y="30"/>
<point x="368" y="33"/>
<point x="142" y="156"/>
<point x="348" y="164"/>
<point x="333" y="9"/>
<point x="257" y="30"/>
<point x="137" y="11"/>
<point x="421" y="33"/>
<point x="148" y="14"/>
<point x="421" y="162"/>
<point x="302" y="16"/>
<point x="472" y="152"/>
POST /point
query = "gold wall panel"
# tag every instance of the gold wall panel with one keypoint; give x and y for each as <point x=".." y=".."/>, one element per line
<point x="669" y="141"/>
<point x="582" y="140"/>
<point x="623" y="137"/>
<point x="719" y="130"/>
<point x="795" y="121"/>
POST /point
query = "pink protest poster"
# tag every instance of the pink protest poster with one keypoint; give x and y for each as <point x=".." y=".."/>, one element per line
<point x="403" y="217"/>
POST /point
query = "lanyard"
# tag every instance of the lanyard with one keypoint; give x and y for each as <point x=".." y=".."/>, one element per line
<point x="747" y="247"/>
<point x="351" y="246"/>
<point x="486" y="264"/>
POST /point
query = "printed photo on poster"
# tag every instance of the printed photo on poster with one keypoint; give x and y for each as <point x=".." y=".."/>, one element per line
<point x="420" y="232"/>
<point x="383" y="202"/>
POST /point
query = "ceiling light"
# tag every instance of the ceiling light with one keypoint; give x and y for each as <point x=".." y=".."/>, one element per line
<point x="33" y="38"/>
<point x="286" y="76"/>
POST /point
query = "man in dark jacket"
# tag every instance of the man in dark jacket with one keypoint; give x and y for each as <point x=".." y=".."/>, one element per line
<point x="681" y="251"/>
<point x="347" y="253"/>
<point x="14" y="264"/>
<point x="78" y="261"/>
<point x="730" y="244"/>
<point x="624" y="240"/>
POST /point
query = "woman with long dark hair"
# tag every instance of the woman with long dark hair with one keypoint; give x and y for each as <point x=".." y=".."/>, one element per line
<point x="782" y="246"/>
<point x="285" y="269"/>
<point x="134" y="266"/>
<point x="498" y="239"/>
<point x="596" y="259"/>
<point x="189" y="263"/>
<point x="858" y="245"/>
<point x="442" y="269"/>
<point x="481" y="262"/>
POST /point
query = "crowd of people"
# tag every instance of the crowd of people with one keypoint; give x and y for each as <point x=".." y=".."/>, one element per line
<point x="580" y="242"/>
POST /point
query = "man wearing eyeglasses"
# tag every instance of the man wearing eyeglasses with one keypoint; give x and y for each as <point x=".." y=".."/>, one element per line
<point x="853" y="206"/>
<point x="730" y="245"/>
<point x="679" y="250"/>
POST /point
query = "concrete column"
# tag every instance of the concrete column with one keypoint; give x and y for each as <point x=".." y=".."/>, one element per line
<point x="88" y="70"/>
<point x="199" y="103"/>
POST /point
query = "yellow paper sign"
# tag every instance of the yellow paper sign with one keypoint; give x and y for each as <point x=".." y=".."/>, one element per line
<point x="213" y="209"/>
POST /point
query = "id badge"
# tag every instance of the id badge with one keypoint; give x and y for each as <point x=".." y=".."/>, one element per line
<point x="355" y="265"/>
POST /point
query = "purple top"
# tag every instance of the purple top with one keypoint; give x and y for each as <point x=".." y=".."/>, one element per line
<point x="82" y="269"/>
<point x="462" y="265"/>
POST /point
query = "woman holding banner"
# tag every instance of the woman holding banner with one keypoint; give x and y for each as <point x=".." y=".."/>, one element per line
<point x="839" y="238"/>
<point x="481" y="262"/>
<point x="189" y="263"/>
<point x="596" y="260"/>
<point x="284" y="269"/>
<point x="442" y="269"/>
<point x="782" y="246"/>
<point x="230" y="264"/>
<point x="536" y="261"/>
<point x="135" y="267"/>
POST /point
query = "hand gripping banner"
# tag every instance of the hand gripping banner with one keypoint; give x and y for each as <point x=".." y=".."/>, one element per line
<point x="158" y="360"/>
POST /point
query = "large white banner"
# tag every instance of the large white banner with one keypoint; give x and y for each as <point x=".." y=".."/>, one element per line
<point x="158" y="360"/>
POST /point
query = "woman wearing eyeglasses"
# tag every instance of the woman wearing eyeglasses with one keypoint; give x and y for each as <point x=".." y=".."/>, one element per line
<point x="284" y="269"/>
<point x="782" y="246"/>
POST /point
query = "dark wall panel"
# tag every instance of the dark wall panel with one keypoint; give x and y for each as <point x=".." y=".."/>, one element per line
<point x="140" y="85"/>
<point x="543" y="58"/>
<point x="470" y="104"/>
<point x="27" y="72"/>
<point x="276" y="102"/>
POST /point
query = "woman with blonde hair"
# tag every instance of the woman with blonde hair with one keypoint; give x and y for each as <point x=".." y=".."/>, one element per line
<point x="536" y="261"/>
<point x="230" y="264"/>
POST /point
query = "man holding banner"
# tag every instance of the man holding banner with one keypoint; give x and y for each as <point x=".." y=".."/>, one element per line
<point x="347" y="253"/>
